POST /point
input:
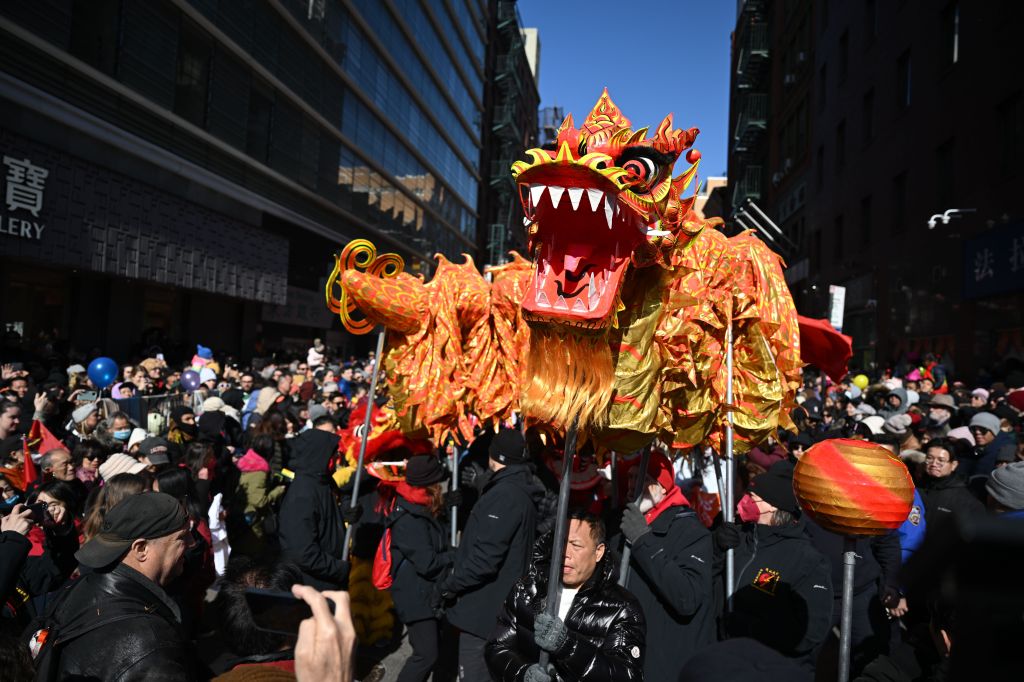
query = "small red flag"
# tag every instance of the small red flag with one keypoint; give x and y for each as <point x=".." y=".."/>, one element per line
<point x="30" y="474"/>
<point x="40" y="439"/>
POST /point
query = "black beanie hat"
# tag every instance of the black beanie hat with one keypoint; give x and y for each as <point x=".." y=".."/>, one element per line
<point x="423" y="470"/>
<point x="508" y="447"/>
<point x="775" y="487"/>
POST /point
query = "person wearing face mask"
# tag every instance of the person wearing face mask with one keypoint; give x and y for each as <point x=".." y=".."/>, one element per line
<point x="670" y="572"/>
<point x="783" y="585"/>
<point x="182" y="427"/>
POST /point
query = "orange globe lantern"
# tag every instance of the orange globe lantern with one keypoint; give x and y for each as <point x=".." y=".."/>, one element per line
<point x="853" y="487"/>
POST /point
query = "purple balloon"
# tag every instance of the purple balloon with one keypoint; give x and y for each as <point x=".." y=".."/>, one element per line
<point x="190" y="379"/>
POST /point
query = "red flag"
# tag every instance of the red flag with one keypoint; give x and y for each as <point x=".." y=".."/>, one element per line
<point x="30" y="474"/>
<point x="822" y="346"/>
<point x="40" y="439"/>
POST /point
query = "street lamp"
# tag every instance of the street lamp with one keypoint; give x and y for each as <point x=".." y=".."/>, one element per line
<point x="947" y="214"/>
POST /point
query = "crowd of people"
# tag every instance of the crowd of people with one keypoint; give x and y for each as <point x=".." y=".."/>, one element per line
<point x="140" y="518"/>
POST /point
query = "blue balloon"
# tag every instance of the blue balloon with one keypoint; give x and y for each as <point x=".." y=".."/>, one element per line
<point x="102" y="372"/>
<point x="190" y="379"/>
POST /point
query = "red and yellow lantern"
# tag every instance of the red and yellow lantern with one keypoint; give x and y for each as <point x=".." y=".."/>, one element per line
<point x="853" y="487"/>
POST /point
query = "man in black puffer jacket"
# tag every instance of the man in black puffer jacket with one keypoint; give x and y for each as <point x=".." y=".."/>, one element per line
<point x="599" y="632"/>
<point x="311" y="528"/>
<point x="494" y="551"/>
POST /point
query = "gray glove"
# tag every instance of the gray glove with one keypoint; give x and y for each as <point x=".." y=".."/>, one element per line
<point x="535" y="673"/>
<point x="549" y="632"/>
<point x="634" y="525"/>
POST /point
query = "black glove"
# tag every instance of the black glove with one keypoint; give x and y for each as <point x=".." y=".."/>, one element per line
<point x="467" y="475"/>
<point x="535" y="673"/>
<point x="890" y="597"/>
<point x="453" y="498"/>
<point x="352" y="514"/>
<point x="549" y="632"/>
<point x="728" y="536"/>
<point x="440" y="599"/>
<point x="634" y="525"/>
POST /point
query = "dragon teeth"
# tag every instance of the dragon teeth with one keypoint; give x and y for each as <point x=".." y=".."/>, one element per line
<point x="608" y="212"/>
<point x="595" y="198"/>
<point x="542" y="300"/>
<point x="556" y="194"/>
<point x="560" y="304"/>
<point x="579" y="306"/>
<point x="536" y="192"/>
<point x="575" y="194"/>
<point x="526" y="221"/>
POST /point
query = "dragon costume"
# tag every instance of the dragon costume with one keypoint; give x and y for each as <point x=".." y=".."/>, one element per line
<point x="619" y="320"/>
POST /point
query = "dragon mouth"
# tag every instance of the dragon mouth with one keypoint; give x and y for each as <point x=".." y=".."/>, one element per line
<point x="582" y="238"/>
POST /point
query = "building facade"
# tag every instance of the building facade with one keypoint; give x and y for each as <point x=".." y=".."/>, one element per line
<point x="510" y="128"/>
<point x="881" y="118"/>
<point x="196" y="162"/>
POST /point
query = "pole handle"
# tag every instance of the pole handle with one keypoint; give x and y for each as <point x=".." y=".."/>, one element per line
<point x="561" y="530"/>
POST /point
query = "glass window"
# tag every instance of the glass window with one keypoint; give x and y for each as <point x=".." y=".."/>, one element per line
<point x="193" y="73"/>
<point x="257" y="135"/>
<point x="470" y="27"/>
<point x="903" y="83"/>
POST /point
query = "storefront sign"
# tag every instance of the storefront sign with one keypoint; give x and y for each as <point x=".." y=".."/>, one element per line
<point x="24" y="184"/>
<point x="836" y="305"/>
<point x="994" y="262"/>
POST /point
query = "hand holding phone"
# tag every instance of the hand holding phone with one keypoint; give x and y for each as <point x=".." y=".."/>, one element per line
<point x="37" y="512"/>
<point x="278" y="612"/>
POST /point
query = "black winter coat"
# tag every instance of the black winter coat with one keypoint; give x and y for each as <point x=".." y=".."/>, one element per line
<point x="947" y="497"/>
<point x="671" y="576"/>
<point x="878" y="560"/>
<point x="605" y="623"/>
<point x="494" y="551"/>
<point x="146" y="644"/>
<point x="783" y="594"/>
<point x="419" y="559"/>
<point x="14" y="549"/>
<point x="311" y="528"/>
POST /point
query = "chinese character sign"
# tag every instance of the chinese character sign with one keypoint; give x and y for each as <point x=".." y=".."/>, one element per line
<point x="994" y="262"/>
<point x="25" y="185"/>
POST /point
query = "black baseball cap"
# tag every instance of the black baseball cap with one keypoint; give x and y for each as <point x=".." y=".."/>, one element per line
<point x="145" y="516"/>
<point x="156" y="450"/>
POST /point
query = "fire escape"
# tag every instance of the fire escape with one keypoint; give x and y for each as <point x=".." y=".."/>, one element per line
<point x="752" y="76"/>
<point x="511" y="131"/>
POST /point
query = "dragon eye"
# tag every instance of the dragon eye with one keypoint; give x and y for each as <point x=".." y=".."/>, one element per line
<point x="641" y="168"/>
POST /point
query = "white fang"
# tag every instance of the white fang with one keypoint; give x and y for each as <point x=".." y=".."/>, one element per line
<point x="579" y="306"/>
<point x="608" y="211"/>
<point x="595" y="198"/>
<point x="536" y="192"/>
<point x="556" y="194"/>
<point x="575" y="194"/>
<point x="560" y="304"/>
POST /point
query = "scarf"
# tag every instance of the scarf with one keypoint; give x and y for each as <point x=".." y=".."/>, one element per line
<point x="413" y="494"/>
<point x="674" y="498"/>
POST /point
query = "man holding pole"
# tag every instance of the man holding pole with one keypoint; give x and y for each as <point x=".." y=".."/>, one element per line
<point x="494" y="552"/>
<point x="598" y="630"/>
<point x="670" y="572"/>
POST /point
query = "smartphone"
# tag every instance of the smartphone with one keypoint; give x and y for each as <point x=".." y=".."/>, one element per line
<point x="39" y="512"/>
<point x="87" y="396"/>
<point x="278" y="612"/>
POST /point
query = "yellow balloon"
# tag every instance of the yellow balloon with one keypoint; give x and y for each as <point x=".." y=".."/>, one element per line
<point x="860" y="381"/>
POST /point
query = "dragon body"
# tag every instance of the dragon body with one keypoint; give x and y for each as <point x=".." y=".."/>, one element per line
<point x="619" y="319"/>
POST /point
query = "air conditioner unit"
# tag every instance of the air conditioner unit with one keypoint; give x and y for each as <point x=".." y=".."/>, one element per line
<point x="789" y="79"/>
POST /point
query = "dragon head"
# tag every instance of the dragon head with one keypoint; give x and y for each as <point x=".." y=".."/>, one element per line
<point x="598" y="200"/>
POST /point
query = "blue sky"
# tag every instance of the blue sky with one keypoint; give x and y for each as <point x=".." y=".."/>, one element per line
<point x="655" y="56"/>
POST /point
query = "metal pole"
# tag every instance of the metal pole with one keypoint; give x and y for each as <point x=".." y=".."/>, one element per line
<point x="561" y="530"/>
<point x="638" y="491"/>
<point x="455" y="486"/>
<point x="730" y="473"/>
<point x="378" y="360"/>
<point x="846" y="613"/>
<point x="615" y="479"/>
